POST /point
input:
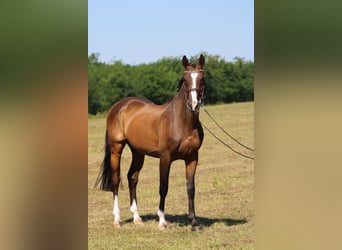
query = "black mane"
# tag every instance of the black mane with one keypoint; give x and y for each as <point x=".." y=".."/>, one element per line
<point x="180" y="83"/>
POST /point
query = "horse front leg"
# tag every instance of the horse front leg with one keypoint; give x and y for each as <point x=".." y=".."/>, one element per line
<point x="164" y="171"/>
<point x="191" y="165"/>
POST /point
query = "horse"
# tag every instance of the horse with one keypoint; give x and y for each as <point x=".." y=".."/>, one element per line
<point x="170" y="132"/>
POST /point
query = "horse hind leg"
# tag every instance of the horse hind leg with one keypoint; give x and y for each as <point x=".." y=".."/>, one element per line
<point x="132" y="176"/>
<point x="116" y="150"/>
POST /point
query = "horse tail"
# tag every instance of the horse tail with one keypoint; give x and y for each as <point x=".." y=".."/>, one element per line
<point x="105" y="173"/>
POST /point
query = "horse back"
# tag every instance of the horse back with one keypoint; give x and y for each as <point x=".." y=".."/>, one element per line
<point x="136" y="121"/>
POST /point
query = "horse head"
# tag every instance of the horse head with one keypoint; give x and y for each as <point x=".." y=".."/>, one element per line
<point x="193" y="82"/>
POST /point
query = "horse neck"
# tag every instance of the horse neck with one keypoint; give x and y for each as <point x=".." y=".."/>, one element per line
<point x="185" y="118"/>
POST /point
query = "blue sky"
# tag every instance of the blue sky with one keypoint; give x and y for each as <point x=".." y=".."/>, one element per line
<point x="144" y="31"/>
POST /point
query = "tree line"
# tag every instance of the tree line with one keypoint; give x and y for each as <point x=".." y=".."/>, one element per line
<point x="226" y="81"/>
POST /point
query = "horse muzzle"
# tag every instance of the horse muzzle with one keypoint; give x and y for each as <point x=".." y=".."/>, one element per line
<point x="194" y="99"/>
<point x="194" y="105"/>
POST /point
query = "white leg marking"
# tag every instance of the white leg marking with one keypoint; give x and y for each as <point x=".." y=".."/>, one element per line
<point x="161" y="215"/>
<point x="194" y="93"/>
<point x="116" y="210"/>
<point x="134" y="210"/>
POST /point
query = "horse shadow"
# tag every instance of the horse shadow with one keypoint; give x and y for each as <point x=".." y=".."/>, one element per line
<point x="182" y="220"/>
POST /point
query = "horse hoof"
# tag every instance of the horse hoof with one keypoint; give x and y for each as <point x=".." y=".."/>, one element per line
<point x="162" y="227"/>
<point x="139" y="221"/>
<point x="116" y="224"/>
<point x="196" y="229"/>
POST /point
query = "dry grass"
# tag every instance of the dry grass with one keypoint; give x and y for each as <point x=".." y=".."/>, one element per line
<point x="224" y="192"/>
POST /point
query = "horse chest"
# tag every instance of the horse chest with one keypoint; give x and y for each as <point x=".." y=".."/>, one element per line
<point x="189" y="144"/>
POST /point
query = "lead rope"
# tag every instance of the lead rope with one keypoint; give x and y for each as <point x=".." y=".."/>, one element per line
<point x="225" y="144"/>
<point x="226" y="131"/>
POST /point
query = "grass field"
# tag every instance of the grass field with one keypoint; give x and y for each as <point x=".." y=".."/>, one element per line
<point x="224" y="199"/>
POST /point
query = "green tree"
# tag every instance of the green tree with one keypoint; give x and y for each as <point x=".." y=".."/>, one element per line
<point x="158" y="81"/>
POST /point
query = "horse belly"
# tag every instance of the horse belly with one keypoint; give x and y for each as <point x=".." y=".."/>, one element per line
<point x="143" y="137"/>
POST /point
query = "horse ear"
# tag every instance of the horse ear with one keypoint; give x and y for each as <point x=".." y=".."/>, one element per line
<point x="185" y="61"/>
<point x="201" y="60"/>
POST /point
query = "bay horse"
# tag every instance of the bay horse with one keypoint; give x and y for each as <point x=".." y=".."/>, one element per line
<point x="170" y="132"/>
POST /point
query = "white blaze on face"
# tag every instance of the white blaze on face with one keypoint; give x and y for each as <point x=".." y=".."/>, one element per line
<point x="194" y="101"/>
